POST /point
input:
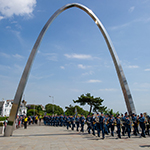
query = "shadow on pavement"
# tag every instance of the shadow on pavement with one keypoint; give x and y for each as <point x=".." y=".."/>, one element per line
<point x="144" y="145"/>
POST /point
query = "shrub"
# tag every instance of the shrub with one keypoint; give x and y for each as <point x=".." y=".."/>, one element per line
<point x="1" y="124"/>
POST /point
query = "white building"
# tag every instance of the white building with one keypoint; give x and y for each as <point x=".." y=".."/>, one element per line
<point x="5" y="108"/>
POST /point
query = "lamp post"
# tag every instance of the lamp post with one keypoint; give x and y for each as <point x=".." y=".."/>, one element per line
<point x="53" y="103"/>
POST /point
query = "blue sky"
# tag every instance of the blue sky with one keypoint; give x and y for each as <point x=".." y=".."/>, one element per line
<point x="73" y="58"/>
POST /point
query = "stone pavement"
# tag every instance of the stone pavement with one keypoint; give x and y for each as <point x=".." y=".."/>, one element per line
<point x="59" y="138"/>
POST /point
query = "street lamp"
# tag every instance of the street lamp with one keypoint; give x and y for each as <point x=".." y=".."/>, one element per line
<point x="53" y="103"/>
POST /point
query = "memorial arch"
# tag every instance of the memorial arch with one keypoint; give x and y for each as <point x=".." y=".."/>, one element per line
<point x="24" y="78"/>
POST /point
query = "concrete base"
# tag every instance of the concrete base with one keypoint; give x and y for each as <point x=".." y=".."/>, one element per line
<point x="1" y="129"/>
<point x="8" y="131"/>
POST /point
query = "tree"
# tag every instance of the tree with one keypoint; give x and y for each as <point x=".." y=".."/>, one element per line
<point x="38" y="108"/>
<point x="94" y="103"/>
<point x="70" y="110"/>
<point x="57" y="109"/>
<point x="111" y="112"/>
<point x="31" y="112"/>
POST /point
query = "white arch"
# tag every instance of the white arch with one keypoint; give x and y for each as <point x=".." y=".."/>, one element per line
<point x="22" y="84"/>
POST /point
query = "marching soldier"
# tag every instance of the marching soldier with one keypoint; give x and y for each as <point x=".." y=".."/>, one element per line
<point x="135" y="124"/>
<point x="128" y="125"/>
<point x="68" y="122"/>
<point x="88" y="120"/>
<point x="77" y="122"/>
<point x="82" y="119"/>
<point x="93" y="121"/>
<point x="147" y="124"/>
<point x="97" y="124"/>
<point x="118" y="123"/>
<point x="102" y="120"/>
<point x="142" y="124"/>
<point x="72" y="122"/>
<point x="61" y="120"/>
<point x="105" y="124"/>
<point x="111" y="122"/>
<point x="124" y="126"/>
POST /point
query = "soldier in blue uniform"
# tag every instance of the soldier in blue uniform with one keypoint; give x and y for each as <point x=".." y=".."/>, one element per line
<point x="68" y="122"/>
<point x="72" y="122"/>
<point x="98" y="124"/>
<point x="118" y="123"/>
<point x="88" y="121"/>
<point x="77" y="122"/>
<point x="65" y="120"/>
<point x="102" y="121"/>
<point x="124" y="126"/>
<point x="106" y="124"/>
<point x="135" y="124"/>
<point x="147" y="125"/>
<point x="82" y="120"/>
<point x="61" y="120"/>
<point x="111" y="122"/>
<point x="93" y="122"/>
<point x="142" y="124"/>
<point x="128" y="125"/>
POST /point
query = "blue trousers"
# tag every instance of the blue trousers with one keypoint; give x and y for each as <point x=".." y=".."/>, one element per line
<point x="128" y="130"/>
<point x="102" y="129"/>
<point x="82" y="127"/>
<point x="93" y="126"/>
<point x="105" y="128"/>
<point x="77" y="123"/>
<point x="98" y="129"/>
<point x="118" y="131"/>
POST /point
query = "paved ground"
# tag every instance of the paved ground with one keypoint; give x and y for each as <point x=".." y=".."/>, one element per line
<point x="58" y="138"/>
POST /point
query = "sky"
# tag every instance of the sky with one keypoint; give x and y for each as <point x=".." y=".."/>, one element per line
<point x="73" y="58"/>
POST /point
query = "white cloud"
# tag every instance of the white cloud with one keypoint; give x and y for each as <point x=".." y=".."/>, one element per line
<point x="9" y="8"/>
<point x="5" y="55"/>
<point x="110" y="90"/>
<point x="120" y="26"/>
<point x="17" y="56"/>
<point x="87" y="73"/>
<point x="94" y="81"/>
<point x="131" y="9"/>
<point x="1" y="17"/>
<point x="62" y="67"/>
<point x="132" y="67"/>
<point x="147" y="69"/>
<point x="8" y="27"/>
<point x="78" y="56"/>
<point x="50" y="56"/>
<point x="82" y="66"/>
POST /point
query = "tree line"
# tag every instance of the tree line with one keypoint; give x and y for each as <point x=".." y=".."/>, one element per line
<point x="95" y="104"/>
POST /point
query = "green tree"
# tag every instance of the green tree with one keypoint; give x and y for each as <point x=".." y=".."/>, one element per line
<point x="38" y="108"/>
<point x="94" y="103"/>
<point x="57" y="109"/>
<point x="111" y="112"/>
<point x="31" y="112"/>
<point x="70" y="110"/>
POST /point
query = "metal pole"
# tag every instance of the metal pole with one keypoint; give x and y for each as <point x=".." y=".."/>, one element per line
<point x="52" y="103"/>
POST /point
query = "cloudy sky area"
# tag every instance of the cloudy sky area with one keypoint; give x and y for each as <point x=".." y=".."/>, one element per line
<point x="73" y="58"/>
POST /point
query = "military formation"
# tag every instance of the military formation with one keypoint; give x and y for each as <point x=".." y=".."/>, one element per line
<point x="104" y="124"/>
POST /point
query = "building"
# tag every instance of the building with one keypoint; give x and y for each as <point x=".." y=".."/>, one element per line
<point x="6" y="105"/>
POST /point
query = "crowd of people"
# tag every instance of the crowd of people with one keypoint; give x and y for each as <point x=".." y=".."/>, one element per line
<point x="104" y="124"/>
<point x="23" y="121"/>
